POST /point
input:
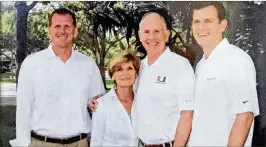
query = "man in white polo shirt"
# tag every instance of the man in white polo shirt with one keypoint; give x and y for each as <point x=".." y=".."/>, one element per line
<point x="225" y="91"/>
<point x="165" y="92"/>
<point x="54" y="87"/>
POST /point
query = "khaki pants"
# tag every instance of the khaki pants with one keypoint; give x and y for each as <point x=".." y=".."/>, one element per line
<point x="38" y="143"/>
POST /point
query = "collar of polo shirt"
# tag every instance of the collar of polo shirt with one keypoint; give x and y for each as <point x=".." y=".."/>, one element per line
<point x="160" y="58"/>
<point x="51" y="54"/>
<point x="112" y="94"/>
<point x="217" y="51"/>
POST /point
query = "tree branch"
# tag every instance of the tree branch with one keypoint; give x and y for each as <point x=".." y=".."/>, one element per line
<point x="113" y="43"/>
<point x="32" y="5"/>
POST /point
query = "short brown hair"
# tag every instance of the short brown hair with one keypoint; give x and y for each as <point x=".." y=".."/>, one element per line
<point x="121" y="58"/>
<point x="63" y="11"/>
<point x="218" y="6"/>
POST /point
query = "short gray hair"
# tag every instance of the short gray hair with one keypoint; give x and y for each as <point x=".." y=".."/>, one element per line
<point x="146" y="14"/>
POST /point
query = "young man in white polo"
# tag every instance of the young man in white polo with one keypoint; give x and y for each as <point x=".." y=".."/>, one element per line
<point x="225" y="91"/>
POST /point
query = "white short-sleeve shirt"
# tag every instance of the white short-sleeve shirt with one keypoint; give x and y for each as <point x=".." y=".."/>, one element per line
<point x="165" y="88"/>
<point x="225" y="86"/>
<point x="111" y="124"/>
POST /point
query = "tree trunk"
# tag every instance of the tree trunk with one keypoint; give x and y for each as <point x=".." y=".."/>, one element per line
<point x="102" y="70"/>
<point x="21" y="32"/>
<point x="234" y="10"/>
<point x="102" y="55"/>
<point x="259" y="137"/>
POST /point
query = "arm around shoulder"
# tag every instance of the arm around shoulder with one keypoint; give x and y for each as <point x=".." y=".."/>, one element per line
<point x="98" y="124"/>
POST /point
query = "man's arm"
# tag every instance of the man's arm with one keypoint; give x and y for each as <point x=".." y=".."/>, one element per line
<point x="93" y="103"/>
<point x="243" y="98"/>
<point x="183" y="128"/>
<point x="240" y="129"/>
<point x="185" y="95"/>
<point x="98" y="125"/>
<point x="25" y="98"/>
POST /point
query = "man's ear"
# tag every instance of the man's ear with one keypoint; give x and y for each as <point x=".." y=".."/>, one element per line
<point x="166" y="34"/>
<point x="49" y="33"/>
<point x="224" y="24"/>
<point x="76" y="32"/>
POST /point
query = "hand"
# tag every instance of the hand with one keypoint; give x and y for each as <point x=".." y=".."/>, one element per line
<point x="93" y="104"/>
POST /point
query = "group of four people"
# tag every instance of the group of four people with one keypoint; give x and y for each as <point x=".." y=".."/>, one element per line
<point x="158" y="101"/>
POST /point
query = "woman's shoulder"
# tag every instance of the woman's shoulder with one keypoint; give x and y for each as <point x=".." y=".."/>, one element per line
<point x="108" y="98"/>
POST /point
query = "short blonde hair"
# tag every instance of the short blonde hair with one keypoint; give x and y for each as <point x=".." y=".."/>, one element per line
<point x="121" y="58"/>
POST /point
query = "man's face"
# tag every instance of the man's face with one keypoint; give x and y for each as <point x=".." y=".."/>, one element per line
<point x="153" y="33"/>
<point x="62" y="32"/>
<point x="206" y="27"/>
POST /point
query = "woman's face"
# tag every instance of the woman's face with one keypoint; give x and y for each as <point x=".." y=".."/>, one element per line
<point x="125" y="75"/>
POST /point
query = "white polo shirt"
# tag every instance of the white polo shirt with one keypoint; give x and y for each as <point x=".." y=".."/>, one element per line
<point x="165" y="89"/>
<point x="225" y="86"/>
<point x="52" y="96"/>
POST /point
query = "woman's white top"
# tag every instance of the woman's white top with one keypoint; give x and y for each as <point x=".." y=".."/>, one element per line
<point x="111" y="124"/>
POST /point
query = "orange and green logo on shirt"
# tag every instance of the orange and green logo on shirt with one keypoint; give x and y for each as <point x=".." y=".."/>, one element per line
<point x="161" y="79"/>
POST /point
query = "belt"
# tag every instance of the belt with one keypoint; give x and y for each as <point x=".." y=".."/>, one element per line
<point x="166" y="144"/>
<point x="58" y="140"/>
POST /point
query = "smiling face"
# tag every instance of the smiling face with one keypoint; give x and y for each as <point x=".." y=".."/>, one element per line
<point x="125" y="75"/>
<point x="207" y="28"/>
<point x="62" y="31"/>
<point x="153" y="33"/>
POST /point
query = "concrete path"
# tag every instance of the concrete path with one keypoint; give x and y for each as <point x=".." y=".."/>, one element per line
<point x="8" y="94"/>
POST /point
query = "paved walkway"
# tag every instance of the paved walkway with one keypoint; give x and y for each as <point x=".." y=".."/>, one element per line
<point x="8" y="94"/>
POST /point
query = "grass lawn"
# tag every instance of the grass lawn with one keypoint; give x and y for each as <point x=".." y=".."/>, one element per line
<point x="109" y="84"/>
<point x="7" y="124"/>
<point x="6" y="78"/>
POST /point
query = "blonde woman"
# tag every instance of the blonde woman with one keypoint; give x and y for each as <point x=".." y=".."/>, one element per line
<point x="111" y="122"/>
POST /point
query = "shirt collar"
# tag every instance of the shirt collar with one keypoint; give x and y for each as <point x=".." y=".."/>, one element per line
<point x="160" y="59"/>
<point x="51" y="53"/>
<point x="112" y="94"/>
<point x="218" y="50"/>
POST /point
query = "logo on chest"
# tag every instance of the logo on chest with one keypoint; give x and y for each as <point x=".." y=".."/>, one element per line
<point x="160" y="79"/>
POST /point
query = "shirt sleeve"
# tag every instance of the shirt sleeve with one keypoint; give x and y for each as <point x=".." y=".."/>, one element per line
<point x="186" y="83"/>
<point x="241" y="87"/>
<point x="25" y="98"/>
<point x="96" y="85"/>
<point x="98" y="125"/>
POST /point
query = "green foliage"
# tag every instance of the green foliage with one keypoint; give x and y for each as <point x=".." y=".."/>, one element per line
<point x="7" y="42"/>
<point x="8" y="23"/>
<point x="37" y="30"/>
